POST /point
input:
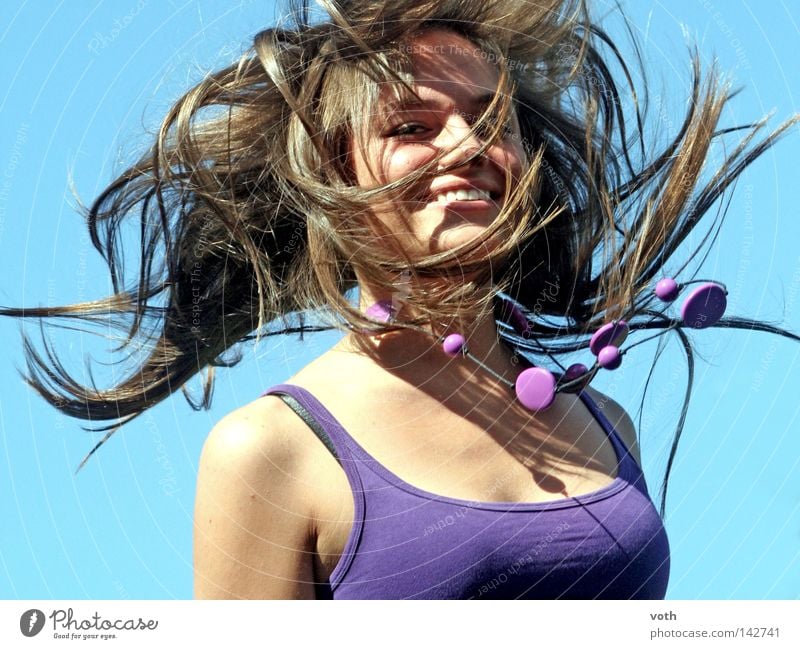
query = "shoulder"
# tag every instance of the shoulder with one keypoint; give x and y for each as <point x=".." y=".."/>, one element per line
<point x="620" y="420"/>
<point x="257" y="433"/>
<point x="263" y="444"/>
<point x="253" y="522"/>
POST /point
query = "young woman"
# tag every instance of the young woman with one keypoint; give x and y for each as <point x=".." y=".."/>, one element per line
<point x="468" y="167"/>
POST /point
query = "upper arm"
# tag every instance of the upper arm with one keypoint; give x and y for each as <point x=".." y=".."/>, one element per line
<point x="620" y="420"/>
<point x="253" y="530"/>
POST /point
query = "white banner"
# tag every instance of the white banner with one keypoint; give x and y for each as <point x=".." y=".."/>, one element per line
<point x="405" y="624"/>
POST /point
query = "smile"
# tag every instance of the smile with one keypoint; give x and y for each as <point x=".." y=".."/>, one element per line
<point x="463" y="195"/>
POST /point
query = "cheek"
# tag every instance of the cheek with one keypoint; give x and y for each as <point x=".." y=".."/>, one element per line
<point x="379" y="165"/>
<point x="514" y="159"/>
<point x="404" y="160"/>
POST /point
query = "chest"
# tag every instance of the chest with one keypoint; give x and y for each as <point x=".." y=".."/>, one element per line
<point x="489" y="453"/>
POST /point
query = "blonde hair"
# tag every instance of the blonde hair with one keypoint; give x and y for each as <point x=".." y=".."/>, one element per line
<point x="249" y="212"/>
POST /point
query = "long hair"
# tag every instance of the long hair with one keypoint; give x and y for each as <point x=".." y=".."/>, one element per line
<point x="249" y="214"/>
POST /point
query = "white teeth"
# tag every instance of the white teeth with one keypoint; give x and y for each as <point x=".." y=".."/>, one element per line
<point x="463" y="195"/>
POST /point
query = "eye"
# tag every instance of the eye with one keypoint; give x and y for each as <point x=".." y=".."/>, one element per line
<point x="409" y="128"/>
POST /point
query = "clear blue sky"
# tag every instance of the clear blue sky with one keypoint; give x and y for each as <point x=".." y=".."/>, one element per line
<point x="78" y="83"/>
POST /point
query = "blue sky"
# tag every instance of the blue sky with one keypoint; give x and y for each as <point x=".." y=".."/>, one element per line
<point x="79" y="85"/>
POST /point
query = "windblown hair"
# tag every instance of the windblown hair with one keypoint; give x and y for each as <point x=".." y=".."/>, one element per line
<point x="249" y="213"/>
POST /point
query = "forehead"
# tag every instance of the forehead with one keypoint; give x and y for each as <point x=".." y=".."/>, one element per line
<point x="445" y="66"/>
<point x="441" y="55"/>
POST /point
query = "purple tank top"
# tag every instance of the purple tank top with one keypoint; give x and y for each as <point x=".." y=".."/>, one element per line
<point x="407" y="543"/>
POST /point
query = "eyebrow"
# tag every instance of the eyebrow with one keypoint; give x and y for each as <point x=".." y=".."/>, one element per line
<point x="478" y="101"/>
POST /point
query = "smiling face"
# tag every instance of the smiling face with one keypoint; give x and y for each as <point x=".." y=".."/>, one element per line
<point x="455" y="84"/>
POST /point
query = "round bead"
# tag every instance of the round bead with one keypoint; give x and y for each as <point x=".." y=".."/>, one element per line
<point x="611" y="333"/>
<point x="704" y="306"/>
<point x="573" y="373"/>
<point x="610" y="357"/>
<point x="536" y="388"/>
<point x="454" y="344"/>
<point x="382" y="311"/>
<point x="667" y="289"/>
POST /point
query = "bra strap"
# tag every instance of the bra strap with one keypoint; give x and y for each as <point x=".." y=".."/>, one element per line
<point x="307" y="417"/>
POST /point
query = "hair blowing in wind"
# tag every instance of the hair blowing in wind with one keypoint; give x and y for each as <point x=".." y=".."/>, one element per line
<point x="248" y="215"/>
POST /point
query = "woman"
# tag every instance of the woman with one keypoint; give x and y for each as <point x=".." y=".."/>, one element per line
<point x="462" y="149"/>
<point x="437" y="422"/>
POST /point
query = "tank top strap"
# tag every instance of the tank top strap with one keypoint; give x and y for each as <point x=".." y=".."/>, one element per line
<point x="628" y="468"/>
<point x="330" y="432"/>
<point x="319" y="419"/>
<point x="335" y="437"/>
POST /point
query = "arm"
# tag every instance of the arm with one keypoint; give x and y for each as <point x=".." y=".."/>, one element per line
<point x="253" y="534"/>
<point x="621" y="421"/>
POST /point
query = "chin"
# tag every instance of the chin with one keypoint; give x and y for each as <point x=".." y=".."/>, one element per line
<point x="454" y="237"/>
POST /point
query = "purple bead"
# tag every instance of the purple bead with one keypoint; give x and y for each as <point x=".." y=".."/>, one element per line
<point x="454" y="344"/>
<point x="536" y="388"/>
<point x="610" y="357"/>
<point x="381" y="311"/>
<point x="611" y="333"/>
<point x="573" y="373"/>
<point x="518" y="320"/>
<point x="705" y="306"/>
<point x="667" y="289"/>
<point x="514" y="316"/>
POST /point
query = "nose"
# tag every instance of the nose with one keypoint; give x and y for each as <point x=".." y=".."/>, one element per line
<point x="457" y="141"/>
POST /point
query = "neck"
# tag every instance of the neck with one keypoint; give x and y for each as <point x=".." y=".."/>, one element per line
<point x="419" y="353"/>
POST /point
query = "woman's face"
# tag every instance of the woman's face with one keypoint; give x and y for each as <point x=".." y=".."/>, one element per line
<point x="455" y="84"/>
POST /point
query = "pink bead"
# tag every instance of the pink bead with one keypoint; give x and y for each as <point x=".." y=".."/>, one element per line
<point x="704" y="306"/>
<point x="609" y="357"/>
<point x="667" y="289"/>
<point x="382" y="311"/>
<point x="454" y="344"/>
<point x="611" y="333"/>
<point x="536" y="388"/>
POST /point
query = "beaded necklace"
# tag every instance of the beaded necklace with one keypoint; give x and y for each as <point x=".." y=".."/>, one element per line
<point x="536" y="387"/>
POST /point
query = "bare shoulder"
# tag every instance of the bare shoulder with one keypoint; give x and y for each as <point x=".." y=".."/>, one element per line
<point x="253" y="528"/>
<point x="621" y="421"/>
<point x="244" y="432"/>
<point x="258" y="444"/>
